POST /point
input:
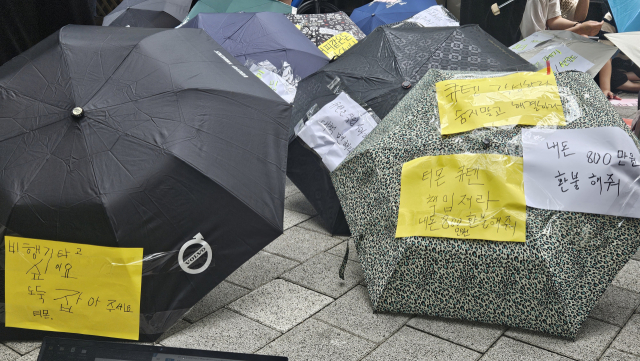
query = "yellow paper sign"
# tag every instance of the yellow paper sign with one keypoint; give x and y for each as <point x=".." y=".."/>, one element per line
<point x="520" y="98"/>
<point x="68" y="287"/>
<point x="338" y="44"/>
<point x="468" y="196"/>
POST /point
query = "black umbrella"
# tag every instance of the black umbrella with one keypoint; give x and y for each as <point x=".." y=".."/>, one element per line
<point x="380" y="70"/>
<point x="148" y="13"/>
<point x="132" y="137"/>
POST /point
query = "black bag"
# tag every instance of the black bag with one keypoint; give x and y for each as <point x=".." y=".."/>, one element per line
<point x="505" y="27"/>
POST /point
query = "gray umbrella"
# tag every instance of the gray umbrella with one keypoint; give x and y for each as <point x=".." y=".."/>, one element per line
<point x="148" y="13"/>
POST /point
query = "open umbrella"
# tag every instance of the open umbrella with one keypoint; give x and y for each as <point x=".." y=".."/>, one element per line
<point x="234" y="6"/>
<point x="565" y="50"/>
<point x="148" y="13"/>
<point x="321" y="27"/>
<point x="110" y="139"/>
<point x="626" y="13"/>
<point x="627" y="43"/>
<point x="550" y="283"/>
<point x="262" y="36"/>
<point x="381" y="12"/>
<point x="379" y="71"/>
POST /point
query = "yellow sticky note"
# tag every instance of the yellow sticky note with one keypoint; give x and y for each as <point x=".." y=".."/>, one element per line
<point x="520" y="98"/>
<point x="467" y="196"/>
<point x="69" y="287"/>
<point x="338" y="44"/>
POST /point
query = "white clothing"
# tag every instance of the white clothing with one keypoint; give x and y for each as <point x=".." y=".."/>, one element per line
<point x="536" y="14"/>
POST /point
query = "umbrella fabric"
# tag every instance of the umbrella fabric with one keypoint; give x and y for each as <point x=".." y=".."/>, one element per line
<point x="24" y="23"/>
<point x="321" y="27"/>
<point x="234" y="6"/>
<point x="262" y="36"/>
<point x="549" y="284"/>
<point x="505" y="26"/>
<point x="148" y="13"/>
<point x="172" y="144"/>
<point x="374" y="71"/>
<point x="626" y="13"/>
<point x="627" y="43"/>
<point x="381" y="12"/>
<point x="597" y="54"/>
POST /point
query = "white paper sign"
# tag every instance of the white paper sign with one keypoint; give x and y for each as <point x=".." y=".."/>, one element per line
<point x="336" y="129"/>
<point x="432" y="17"/>
<point x="530" y="42"/>
<point x="275" y="82"/>
<point x="561" y="59"/>
<point x="593" y="170"/>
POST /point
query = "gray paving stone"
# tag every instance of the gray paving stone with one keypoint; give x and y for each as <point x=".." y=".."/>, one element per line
<point x="353" y="312"/>
<point x="320" y="274"/>
<point x="628" y="339"/>
<point x="220" y="296"/>
<point x="290" y="188"/>
<point x="7" y="354"/>
<point x="615" y="355"/>
<point x="340" y="249"/>
<point x="291" y="218"/>
<point x="301" y="244"/>
<point x="636" y="256"/>
<point x="280" y="304"/>
<point x="261" y="269"/>
<point x="299" y="203"/>
<point x="316" y="341"/>
<point x="23" y="347"/>
<point x="31" y="356"/>
<point x="507" y="349"/>
<point x="315" y="224"/>
<point x="412" y="345"/>
<point x="626" y="112"/>
<point x="224" y="331"/>
<point x="616" y="305"/>
<point x="474" y="335"/>
<point x="629" y="276"/>
<point x="593" y="338"/>
<point x="177" y="327"/>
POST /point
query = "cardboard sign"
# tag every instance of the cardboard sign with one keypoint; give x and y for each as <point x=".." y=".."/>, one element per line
<point x="69" y="287"/>
<point x="593" y="170"/>
<point x="520" y="98"/>
<point x="467" y="196"/>
<point x="561" y="59"/>
<point x="338" y="44"/>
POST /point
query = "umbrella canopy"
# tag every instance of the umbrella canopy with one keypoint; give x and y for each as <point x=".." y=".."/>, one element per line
<point x="505" y="26"/>
<point x="565" y="51"/>
<point x="381" y="12"/>
<point x="234" y="6"/>
<point x="262" y="36"/>
<point x="627" y="43"/>
<point x="550" y="283"/>
<point x="321" y="27"/>
<point x="170" y="144"/>
<point x="380" y="71"/>
<point x="626" y="13"/>
<point x="148" y="13"/>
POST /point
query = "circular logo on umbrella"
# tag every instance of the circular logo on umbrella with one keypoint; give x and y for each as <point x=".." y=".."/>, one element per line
<point x="204" y="249"/>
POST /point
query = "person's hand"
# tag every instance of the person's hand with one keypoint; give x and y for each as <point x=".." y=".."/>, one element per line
<point x="589" y="28"/>
<point x="610" y="95"/>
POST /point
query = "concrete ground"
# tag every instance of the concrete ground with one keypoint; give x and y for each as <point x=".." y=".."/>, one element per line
<point x="288" y="300"/>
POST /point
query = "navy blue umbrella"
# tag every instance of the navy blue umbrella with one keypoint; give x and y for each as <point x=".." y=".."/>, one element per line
<point x="262" y="36"/>
<point x="381" y="12"/>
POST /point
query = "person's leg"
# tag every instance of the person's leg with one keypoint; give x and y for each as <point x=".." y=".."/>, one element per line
<point x="632" y="76"/>
<point x="630" y="87"/>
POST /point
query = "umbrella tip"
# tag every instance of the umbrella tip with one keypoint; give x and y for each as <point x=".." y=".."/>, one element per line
<point x="486" y="143"/>
<point x="77" y="112"/>
<point x="406" y="84"/>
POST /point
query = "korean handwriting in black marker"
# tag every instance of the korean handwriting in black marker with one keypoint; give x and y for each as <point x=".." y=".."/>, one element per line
<point x="561" y="181"/>
<point x="611" y="182"/>
<point x="623" y="155"/>
<point x="36" y="291"/>
<point x="35" y="271"/>
<point x="596" y="180"/>
<point x="453" y="89"/>
<point x="41" y="313"/>
<point x="487" y="201"/>
<point x="69" y="295"/>
<point x="32" y="250"/>
<point x="575" y="180"/>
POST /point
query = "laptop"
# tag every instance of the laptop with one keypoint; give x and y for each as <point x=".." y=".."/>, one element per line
<point x="67" y="349"/>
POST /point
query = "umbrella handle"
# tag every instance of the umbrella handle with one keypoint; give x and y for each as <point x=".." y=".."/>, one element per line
<point x="495" y="8"/>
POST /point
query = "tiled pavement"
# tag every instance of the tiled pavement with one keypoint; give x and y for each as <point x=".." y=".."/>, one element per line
<point x="288" y="300"/>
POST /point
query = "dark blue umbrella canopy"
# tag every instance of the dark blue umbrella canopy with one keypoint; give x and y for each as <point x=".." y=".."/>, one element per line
<point x="262" y="36"/>
<point x="381" y="12"/>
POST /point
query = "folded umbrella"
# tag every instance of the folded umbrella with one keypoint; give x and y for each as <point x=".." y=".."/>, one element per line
<point x="262" y="36"/>
<point x="148" y="13"/>
<point x="109" y="139"/>
<point x="379" y="71"/>
<point x="565" y="50"/>
<point x="321" y="27"/>
<point x="381" y="12"/>
<point x="549" y="284"/>
<point x="626" y="13"/>
<point x="234" y="6"/>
